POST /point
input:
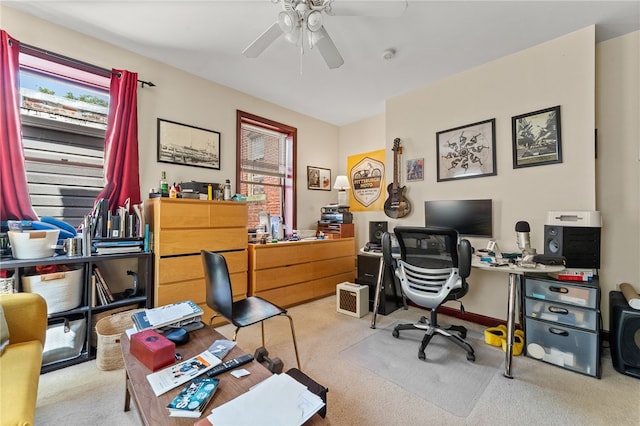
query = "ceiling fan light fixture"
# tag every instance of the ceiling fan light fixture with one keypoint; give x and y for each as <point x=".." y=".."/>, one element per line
<point x="314" y="20"/>
<point x="288" y="20"/>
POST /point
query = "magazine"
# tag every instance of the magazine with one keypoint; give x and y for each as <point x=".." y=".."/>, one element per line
<point x="193" y="399"/>
<point x="177" y="374"/>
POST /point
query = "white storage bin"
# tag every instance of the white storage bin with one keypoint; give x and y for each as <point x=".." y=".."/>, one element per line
<point x="61" y="290"/>
<point x="64" y="340"/>
<point x="33" y="244"/>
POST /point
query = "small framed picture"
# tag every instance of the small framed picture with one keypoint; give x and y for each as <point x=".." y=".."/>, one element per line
<point x="318" y="178"/>
<point x="467" y="151"/>
<point x="536" y="138"/>
<point x="415" y="169"/>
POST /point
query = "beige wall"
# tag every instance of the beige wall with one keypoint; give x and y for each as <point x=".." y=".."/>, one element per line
<point x="618" y="163"/>
<point x="185" y="98"/>
<point x="559" y="72"/>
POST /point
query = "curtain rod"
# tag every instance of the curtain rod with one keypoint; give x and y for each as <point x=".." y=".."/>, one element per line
<point x="45" y="54"/>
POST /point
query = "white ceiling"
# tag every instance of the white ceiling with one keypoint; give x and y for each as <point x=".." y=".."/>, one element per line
<point x="433" y="39"/>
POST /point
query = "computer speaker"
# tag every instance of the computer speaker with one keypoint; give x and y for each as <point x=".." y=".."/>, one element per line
<point x="624" y="335"/>
<point x="580" y="245"/>
<point x="376" y="229"/>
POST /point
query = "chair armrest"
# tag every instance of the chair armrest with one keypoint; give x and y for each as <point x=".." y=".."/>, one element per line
<point x="464" y="258"/>
<point x="26" y="316"/>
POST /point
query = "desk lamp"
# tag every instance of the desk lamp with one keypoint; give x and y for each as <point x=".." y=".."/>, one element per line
<point x="342" y="184"/>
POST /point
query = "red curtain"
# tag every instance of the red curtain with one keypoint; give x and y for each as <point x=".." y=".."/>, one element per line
<point x="15" y="203"/>
<point x="121" y="144"/>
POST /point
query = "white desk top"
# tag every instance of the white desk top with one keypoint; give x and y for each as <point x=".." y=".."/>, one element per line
<point x="514" y="269"/>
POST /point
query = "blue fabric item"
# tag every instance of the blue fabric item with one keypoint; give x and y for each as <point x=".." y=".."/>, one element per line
<point x="60" y="224"/>
<point x="64" y="234"/>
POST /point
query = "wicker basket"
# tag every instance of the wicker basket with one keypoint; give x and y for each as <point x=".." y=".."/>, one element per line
<point x="6" y="285"/>
<point x="109" y="329"/>
<point x="95" y="317"/>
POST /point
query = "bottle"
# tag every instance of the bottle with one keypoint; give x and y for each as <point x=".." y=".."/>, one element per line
<point x="164" y="185"/>
<point x="227" y="190"/>
<point x="173" y="191"/>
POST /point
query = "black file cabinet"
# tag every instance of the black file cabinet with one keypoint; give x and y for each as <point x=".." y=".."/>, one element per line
<point x="562" y="323"/>
<point x="391" y="299"/>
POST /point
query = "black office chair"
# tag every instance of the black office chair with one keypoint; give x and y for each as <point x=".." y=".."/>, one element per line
<point x="432" y="269"/>
<point x="241" y="313"/>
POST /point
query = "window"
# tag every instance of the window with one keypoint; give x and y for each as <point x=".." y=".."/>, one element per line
<point x="64" y="110"/>
<point x="266" y="153"/>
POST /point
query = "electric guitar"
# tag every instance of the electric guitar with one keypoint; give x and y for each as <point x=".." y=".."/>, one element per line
<point x="397" y="205"/>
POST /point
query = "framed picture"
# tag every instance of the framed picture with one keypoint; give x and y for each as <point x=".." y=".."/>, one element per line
<point x="467" y="151"/>
<point x="537" y="138"/>
<point x="188" y="145"/>
<point x="318" y="178"/>
<point x="415" y="169"/>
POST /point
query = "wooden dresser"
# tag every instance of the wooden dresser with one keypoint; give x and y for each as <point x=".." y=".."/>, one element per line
<point x="181" y="229"/>
<point x="290" y="273"/>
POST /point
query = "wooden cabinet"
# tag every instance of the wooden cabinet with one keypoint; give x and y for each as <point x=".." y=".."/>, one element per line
<point x="290" y="273"/>
<point x="337" y="230"/>
<point x="181" y="229"/>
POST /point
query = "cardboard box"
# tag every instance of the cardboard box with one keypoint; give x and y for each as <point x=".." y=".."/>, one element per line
<point x="153" y="349"/>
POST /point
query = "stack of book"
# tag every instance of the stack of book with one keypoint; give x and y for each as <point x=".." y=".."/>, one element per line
<point x="120" y="245"/>
<point x="176" y="314"/>
<point x="194" y="398"/>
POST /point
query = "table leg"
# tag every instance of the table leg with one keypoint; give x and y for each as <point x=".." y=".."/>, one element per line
<point x="127" y="395"/>
<point x="511" y="313"/>
<point x="379" y="289"/>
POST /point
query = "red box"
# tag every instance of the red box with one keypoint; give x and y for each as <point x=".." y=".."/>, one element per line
<point x="153" y="349"/>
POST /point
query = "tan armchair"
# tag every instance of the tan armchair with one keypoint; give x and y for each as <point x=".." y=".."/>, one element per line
<point x="21" y="360"/>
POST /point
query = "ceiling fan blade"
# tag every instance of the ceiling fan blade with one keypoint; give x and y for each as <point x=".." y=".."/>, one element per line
<point x="327" y="48"/>
<point x="263" y="41"/>
<point x="384" y="9"/>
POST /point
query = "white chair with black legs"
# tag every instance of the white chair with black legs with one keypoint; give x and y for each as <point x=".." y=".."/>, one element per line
<point x="432" y="270"/>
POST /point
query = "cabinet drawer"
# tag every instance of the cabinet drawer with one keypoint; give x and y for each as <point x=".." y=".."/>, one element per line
<point x="184" y="268"/>
<point x="283" y="254"/>
<point x="185" y="214"/>
<point x="563" y="314"/>
<point x="566" y="347"/>
<point x="286" y="275"/>
<point x="192" y="241"/>
<point x="195" y="290"/>
<point x="560" y="291"/>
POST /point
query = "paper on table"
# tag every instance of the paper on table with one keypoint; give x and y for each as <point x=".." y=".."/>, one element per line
<point x="168" y="313"/>
<point x="278" y="400"/>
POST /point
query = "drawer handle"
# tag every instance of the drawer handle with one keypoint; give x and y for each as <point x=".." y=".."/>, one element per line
<point x="559" y="289"/>
<point x="558" y="332"/>
<point x="369" y="275"/>
<point x="558" y="310"/>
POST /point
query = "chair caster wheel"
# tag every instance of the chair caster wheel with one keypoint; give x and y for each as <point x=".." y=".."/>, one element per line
<point x="395" y="334"/>
<point x="463" y="335"/>
<point x="471" y="357"/>
<point x="274" y="365"/>
<point x="421" y="356"/>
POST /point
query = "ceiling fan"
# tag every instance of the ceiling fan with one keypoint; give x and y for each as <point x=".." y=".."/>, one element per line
<point x="301" y="22"/>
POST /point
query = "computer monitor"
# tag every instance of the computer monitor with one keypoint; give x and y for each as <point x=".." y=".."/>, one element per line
<point x="471" y="218"/>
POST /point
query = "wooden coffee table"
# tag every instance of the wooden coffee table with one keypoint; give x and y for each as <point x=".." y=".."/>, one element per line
<point x="153" y="409"/>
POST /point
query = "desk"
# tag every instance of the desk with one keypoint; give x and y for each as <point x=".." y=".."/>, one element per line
<point x="515" y="282"/>
<point x="152" y="409"/>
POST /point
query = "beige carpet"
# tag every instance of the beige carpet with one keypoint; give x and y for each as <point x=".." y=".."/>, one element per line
<point x="540" y="394"/>
<point x="445" y="378"/>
